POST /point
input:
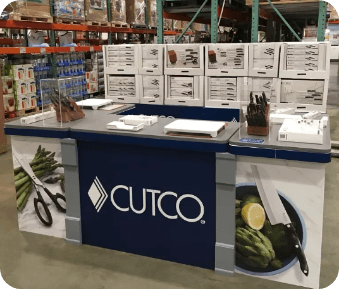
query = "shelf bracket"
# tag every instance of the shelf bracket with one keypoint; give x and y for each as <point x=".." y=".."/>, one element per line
<point x="321" y="21"/>
<point x="283" y="19"/>
<point x="192" y="20"/>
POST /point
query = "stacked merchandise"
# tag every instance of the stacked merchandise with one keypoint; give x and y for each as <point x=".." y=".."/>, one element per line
<point x="121" y="73"/>
<point x="24" y="85"/>
<point x="184" y="70"/>
<point x="221" y="60"/>
<point x="135" y="11"/>
<point x="263" y="71"/>
<point x="8" y="96"/>
<point x="69" y="9"/>
<point x="118" y="11"/>
<point x="151" y="74"/>
<point x="101" y="75"/>
<point x="23" y="9"/>
<point x="92" y="63"/>
<point x="95" y="11"/>
<point x="71" y="66"/>
<point x="304" y="74"/>
<point x="152" y="13"/>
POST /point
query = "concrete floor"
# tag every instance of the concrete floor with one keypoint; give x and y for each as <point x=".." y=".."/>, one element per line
<point x="33" y="261"/>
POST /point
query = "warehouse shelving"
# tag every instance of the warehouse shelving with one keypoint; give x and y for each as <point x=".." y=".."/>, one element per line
<point x="254" y="16"/>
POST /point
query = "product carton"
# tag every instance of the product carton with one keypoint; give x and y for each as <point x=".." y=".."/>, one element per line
<point x="7" y="84"/>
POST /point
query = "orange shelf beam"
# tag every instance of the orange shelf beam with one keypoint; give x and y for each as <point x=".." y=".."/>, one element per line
<point x="38" y="50"/>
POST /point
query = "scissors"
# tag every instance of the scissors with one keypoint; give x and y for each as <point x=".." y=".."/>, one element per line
<point x="39" y="185"/>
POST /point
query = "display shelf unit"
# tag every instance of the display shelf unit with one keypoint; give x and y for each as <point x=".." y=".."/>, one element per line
<point x="257" y="15"/>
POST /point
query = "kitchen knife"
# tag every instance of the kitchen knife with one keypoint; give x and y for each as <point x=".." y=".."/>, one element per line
<point x="276" y="212"/>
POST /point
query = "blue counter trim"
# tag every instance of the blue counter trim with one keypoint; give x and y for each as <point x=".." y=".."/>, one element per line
<point x="303" y="156"/>
<point x="252" y="151"/>
<point x="280" y="154"/>
<point x="38" y="132"/>
<point x="195" y="146"/>
<point x="187" y="112"/>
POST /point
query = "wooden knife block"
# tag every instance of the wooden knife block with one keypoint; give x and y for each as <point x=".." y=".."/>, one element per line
<point x="67" y="114"/>
<point x="212" y="56"/>
<point x="261" y="130"/>
<point x="172" y="56"/>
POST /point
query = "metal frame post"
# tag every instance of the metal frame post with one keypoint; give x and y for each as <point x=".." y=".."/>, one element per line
<point x="52" y="35"/>
<point x="321" y="21"/>
<point x="192" y="20"/>
<point x="160" y="22"/>
<point x="284" y="20"/>
<point x="214" y="21"/>
<point x="255" y="21"/>
<point x="109" y="18"/>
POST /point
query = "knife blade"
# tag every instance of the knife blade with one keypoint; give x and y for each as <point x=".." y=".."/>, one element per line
<point x="26" y="167"/>
<point x="276" y="211"/>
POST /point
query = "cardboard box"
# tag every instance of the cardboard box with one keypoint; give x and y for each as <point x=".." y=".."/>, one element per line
<point x="8" y="103"/>
<point x="184" y="59"/>
<point x="115" y="59"/>
<point x="29" y="8"/>
<point x="151" y="61"/>
<point x="305" y="60"/>
<point x="92" y="76"/>
<point x="28" y="71"/>
<point x="22" y="102"/>
<point x="122" y="88"/>
<point x="152" y="89"/>
<point x="31" y="86"/>
<point x="96" y="11"/>
<point x="20" y="87"/>
<point x="92" y="87"/>
<point x="15" y="71"/>
<point x="185" y="90"/>
<point x="226" y="59"/>
<point x="264" y="59"/>
<point x="222" y="92"/>
<point x="32" y="101"/>
<point x="135" y="11"/>
<point x="7" y="84"/>
<point x="118" y="11"/>
<point x="3" y="139"/>
<point x="303" y="94"/>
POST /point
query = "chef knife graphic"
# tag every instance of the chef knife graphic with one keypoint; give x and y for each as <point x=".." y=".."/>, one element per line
<point x="276" y="212"/>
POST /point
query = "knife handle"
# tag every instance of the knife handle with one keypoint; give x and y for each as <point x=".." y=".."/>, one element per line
<point x="298" y="249"/>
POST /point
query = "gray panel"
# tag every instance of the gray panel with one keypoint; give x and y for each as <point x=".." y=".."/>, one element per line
<point x="53" y="124"/>
<point x="69" y="152"/>
<point x="225" y="171"/>
<point x="73" y="242"/>
<point x="271" y="141"/>
<point x="226" y="156"/>
<point x="225" y="214"/>
<point x="224" y="259"/>
<point x="98" y="126"/>
<point x="72" y="188"/>
<point x="73" y="229"/>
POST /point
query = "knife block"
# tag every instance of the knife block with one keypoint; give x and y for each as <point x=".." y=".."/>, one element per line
<point x="172" y="56"/>
<point x="67" y="114"/>
<point x="212" y="56"/>
<point x="261" y="130"/>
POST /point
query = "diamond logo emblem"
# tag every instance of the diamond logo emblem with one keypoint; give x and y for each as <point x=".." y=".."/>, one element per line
<point x="234" y="120"/>
<point x="97" y="194"/>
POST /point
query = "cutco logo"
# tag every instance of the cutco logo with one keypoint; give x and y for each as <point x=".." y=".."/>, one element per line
<point x="157" y="205"/>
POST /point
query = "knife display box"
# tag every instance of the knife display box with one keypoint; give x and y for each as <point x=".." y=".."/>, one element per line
<point x="226" y="59"/>
<point x="57" y="93"/>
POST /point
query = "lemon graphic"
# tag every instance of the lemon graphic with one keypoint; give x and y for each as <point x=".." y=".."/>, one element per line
<point x="253" y="215"/>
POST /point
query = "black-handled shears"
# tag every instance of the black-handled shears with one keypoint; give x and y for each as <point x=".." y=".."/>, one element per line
<point x="38" y="186"/>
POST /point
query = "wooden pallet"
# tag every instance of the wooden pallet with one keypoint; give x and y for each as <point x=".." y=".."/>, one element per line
<point x="97" y="23"/>
<point x="27" y="111"/>
<point x="68" y="21"/>
<point x="30" y="18"/>
<point x="178" y="30"/>
<point x="120" y="25"/>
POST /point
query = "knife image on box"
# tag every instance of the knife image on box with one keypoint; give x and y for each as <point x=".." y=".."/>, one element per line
<point x="276" y="211"/>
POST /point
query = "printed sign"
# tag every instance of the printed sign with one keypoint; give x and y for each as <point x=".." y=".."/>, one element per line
<point x="279" y="218"/>
<point x="39" y="211"/>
